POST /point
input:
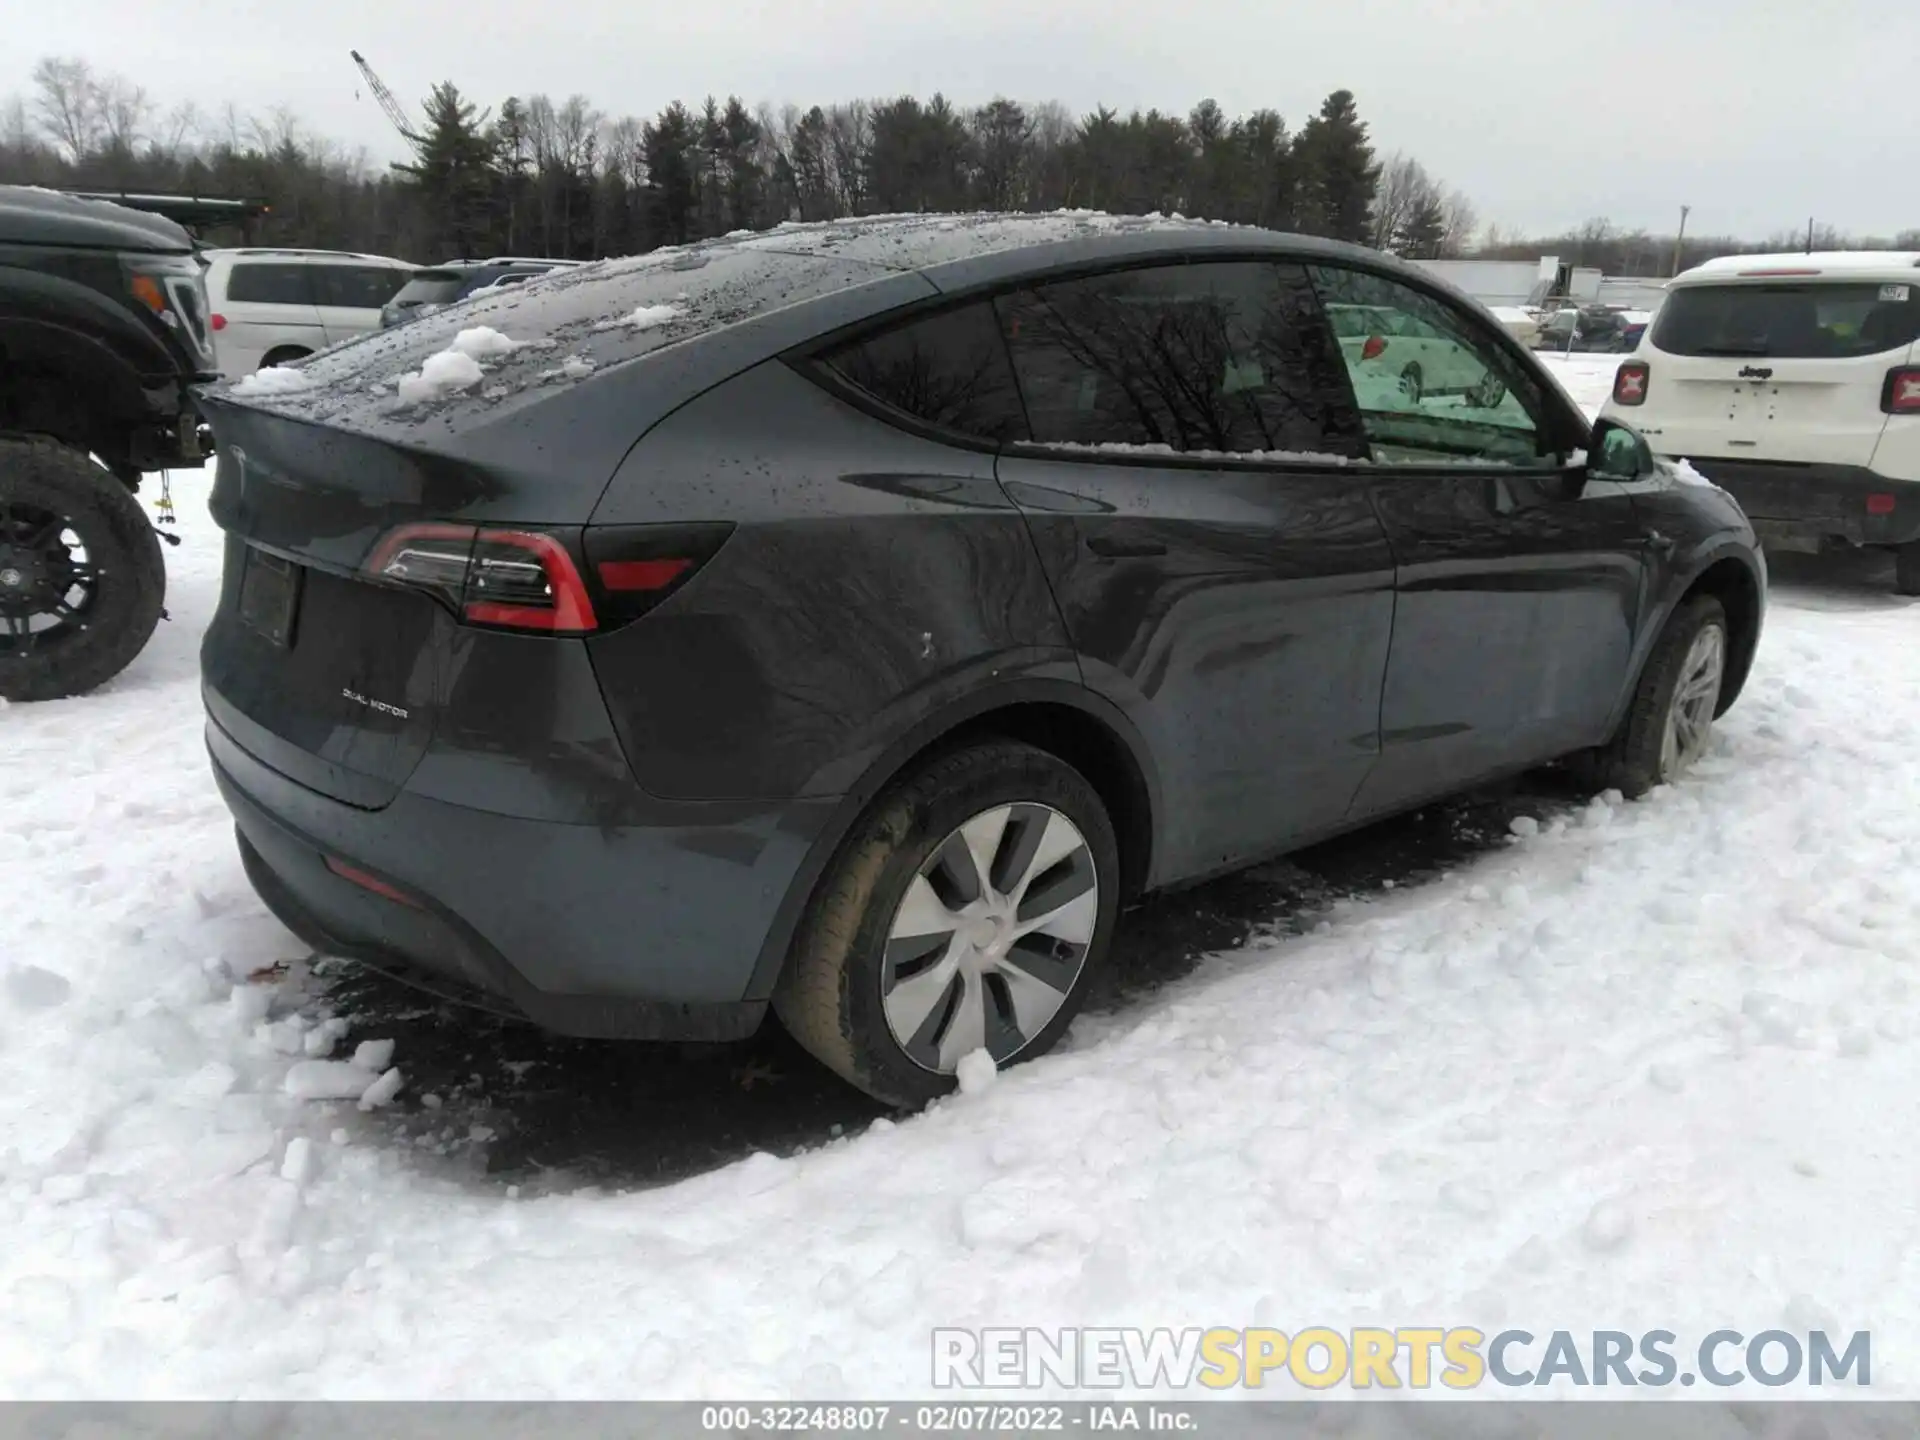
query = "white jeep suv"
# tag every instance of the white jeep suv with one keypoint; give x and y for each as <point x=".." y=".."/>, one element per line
<point x="1793" y="382"/>
<point x="272" y="306"/>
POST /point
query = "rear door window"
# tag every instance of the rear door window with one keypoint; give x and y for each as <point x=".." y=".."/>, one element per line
<point x="431" y="287"/>
<point x="356" y="287"/>
<point x="948" y="369"/>
<point x="1790" y="322"/>
<point x="266" y="282"/>
<point x="1210" y="358"/>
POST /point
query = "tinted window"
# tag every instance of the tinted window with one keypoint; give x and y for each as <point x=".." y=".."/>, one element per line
<point x="948" y="369"/>
<point x="1229" y="357"/>
<point x="1789" y="321"/>
<point x="431" y="287"/>
<point x="362" y="287"/>
<point x="1430" y="385"/>
<point x="267" y="283"/>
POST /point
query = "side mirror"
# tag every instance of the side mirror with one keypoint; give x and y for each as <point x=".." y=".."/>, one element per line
<point x="1618" y="452"/>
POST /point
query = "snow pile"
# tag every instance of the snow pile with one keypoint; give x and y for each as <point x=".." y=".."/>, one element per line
<point x="482" y="342"/>
<point x="443" y="374"/>
<point x="574" y="367"/>
<point x="275" y="380"/>
<point x="647" y="317"/>
<point x="1646" y="1065"/>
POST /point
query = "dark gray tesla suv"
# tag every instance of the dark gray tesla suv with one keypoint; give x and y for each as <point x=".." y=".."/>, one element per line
<point x="851" y="619"/>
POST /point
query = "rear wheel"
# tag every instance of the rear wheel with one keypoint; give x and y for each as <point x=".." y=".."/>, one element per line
<point x="1906" y="568"/>
<point x="285" y="355"/>
<point x="1412" y="383"/>
<point x="1670" y="719"/>
<point x="81" y="576"/>
<point x="966" y="912"/>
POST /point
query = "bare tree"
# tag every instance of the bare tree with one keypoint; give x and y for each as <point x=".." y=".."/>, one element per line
<point x="122" y="109"/>
<point x="67" y="103"/>
<point x="1461" y="222"/>
<point x="1405" y="188"/>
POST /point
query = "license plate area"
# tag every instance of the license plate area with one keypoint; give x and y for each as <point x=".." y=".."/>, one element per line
<point x="270" y="595"/>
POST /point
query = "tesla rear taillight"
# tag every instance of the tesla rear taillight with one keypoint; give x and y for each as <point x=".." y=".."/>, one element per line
<point x="517" y="579"/>
<point x="1630" y="383"/>
<point x="1901" y="394"/>
<point x="530" y="580"/>
<point x="1880" y="504"/>
<point x="1374" y="348"/>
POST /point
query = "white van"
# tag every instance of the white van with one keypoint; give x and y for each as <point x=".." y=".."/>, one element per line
<point x="271" y="306"/>
<point x="1793" y="382"/>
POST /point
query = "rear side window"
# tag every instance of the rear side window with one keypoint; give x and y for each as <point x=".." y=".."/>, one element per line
<point x="1230" y="357"/>
<point x="948" y="369"/>
<point x="1804" y="322"/>
<point x="359" y="287"/>
<point x="267" y="283"/>
<point x="431" y="287"/>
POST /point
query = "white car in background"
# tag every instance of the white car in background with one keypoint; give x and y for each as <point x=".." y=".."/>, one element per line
<point x="272" y="306"/>
<point x="1392" y="350"/>
<point x="1793" y="382"/>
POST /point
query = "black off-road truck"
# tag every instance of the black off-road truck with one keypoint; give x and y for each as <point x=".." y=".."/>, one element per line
<point x="103" y="330"/>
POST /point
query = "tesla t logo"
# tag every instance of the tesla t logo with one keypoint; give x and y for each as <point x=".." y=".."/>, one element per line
<point x="1633" y="384"/>
<point x="382" y="706"/>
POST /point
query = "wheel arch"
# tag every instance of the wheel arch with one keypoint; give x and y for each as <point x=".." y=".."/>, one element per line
<point x="1732" y="581"/>
<point x="1066" y="720"/>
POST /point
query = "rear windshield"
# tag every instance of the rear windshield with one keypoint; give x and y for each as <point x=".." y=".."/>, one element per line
<point x="550" y="331"/>
<point x="1823" y="321"/>
<point x="431" y="287"/>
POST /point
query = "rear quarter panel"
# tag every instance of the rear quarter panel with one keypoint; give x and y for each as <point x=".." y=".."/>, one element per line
<point x="874" y="578"/>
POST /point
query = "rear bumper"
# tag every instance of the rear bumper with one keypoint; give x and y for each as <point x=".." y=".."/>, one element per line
<point x="1818" y="502"/>
<point x="654" y="932"/>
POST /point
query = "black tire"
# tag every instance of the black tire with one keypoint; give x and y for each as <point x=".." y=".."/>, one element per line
<point x="1631" y="761"/>
<point x="114" y="621"/>
<point x="830" y="995"/>
<point x="285" y="355"/>
<point x="1906" y="568"/>
<point x="1413" y="382"/>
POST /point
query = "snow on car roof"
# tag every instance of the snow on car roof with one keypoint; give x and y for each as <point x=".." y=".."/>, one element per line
<point x="1891" y="263"/>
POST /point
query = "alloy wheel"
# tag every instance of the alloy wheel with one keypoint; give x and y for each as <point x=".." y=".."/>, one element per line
<point x="48" y="580"/>
<point x="990" y="937"/>
<point x="1695" y="698"/>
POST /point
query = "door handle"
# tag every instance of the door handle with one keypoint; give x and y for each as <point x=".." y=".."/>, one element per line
<point x="1658" y="543"/>
<point x="1115" y="549"/>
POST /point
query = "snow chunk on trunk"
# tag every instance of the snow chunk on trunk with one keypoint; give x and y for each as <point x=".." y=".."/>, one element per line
<point x="481" y="342"/>
<point x="442" y="375"/>
<point x="381" y="1091"/>
<point x="645" y="318"/>
<point x="273" y="381"/>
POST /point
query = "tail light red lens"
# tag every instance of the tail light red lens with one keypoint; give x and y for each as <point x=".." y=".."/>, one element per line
<point x="1901" y="396"/>
<point x="374" y="883"/>
<point x="1630" y="383"/>
<point x="518" y="579"/>
<point x="530" y="580"/>
<point x="219" y="321"/>
<point x="1880" y="504"/>
<point x="1374" y="348"/>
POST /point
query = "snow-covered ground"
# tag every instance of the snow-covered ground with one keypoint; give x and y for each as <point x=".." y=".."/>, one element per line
<point x="1649" y="1066"/>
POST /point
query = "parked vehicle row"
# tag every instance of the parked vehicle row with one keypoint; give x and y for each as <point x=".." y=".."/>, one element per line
<point x="848" y="627"/>
<point x="1794" y="382"/>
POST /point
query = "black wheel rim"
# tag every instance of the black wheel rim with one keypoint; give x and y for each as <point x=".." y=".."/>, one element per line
<point x="49" y="580"/>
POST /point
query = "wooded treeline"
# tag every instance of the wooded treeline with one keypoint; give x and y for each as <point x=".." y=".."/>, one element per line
<point x="536" y="176"/>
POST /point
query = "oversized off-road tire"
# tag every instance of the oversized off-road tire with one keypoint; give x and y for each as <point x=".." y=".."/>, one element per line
<point x="81" y="578"/>
<point x="1906" y="568"/>
<point x="966" y="910"/>
<point x="1671" y="714"/>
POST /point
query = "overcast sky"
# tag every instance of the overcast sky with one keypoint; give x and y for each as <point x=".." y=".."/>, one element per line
<point x="1757" y="113"/>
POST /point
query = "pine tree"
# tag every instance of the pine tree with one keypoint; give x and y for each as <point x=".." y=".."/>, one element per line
<point x="453" y="169"/>
<point x="1337" y="171"/>
<point x="1425" y="233"/>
